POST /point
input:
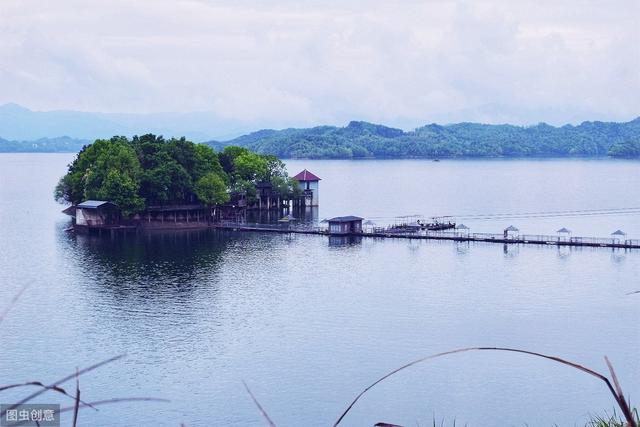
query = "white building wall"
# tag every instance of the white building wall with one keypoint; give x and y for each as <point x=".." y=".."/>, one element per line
<point x="80" y="218"/>
<point x="316" y="195"/>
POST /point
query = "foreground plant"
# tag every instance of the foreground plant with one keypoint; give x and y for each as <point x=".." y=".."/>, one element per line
<point x="630" y="417"/>
<point x="612" y="384"/>
<point x="612" y="420"/>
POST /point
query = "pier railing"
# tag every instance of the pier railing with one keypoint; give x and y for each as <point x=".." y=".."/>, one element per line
<point x="596" y="240"/>
<point x="491" y="236"/>
<point x="281" y="226"/>
<point x="292" y="227"/>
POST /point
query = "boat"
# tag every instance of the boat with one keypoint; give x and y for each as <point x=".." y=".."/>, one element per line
<point x="438" y="224"/>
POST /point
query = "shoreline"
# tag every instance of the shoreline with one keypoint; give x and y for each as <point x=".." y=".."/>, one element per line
<point x="443" y="158"/>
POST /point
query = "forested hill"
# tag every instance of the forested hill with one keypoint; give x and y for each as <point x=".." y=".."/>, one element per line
<point x="362" y="139"/>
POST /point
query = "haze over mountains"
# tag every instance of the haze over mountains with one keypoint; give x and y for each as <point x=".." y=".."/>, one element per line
<point x="22" y="124"/>
<point x="67" y="131"/>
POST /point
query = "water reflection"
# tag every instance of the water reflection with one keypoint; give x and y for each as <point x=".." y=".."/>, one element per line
<point x="304" y="215"/>
<point x="462" y="248"/>
<point x="144" y="269"/>
<point x="564" y="252"/>
<point x="510" y="251"/>
<point x="618" y="256"/>
<point x="337" y="241"/>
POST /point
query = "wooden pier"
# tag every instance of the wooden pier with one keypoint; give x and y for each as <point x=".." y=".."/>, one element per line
<point x="524" y="239"/>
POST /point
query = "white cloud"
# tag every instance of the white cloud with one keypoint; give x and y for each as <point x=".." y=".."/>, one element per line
<point x="309" y="62"/>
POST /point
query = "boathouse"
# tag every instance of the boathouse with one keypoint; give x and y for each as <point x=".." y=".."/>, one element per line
<point x="310" y="188"/>
<point x="345" y="225"/>
<point x="97" y="213"/>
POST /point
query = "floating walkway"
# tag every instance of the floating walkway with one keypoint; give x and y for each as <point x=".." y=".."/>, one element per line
<point x="524" y="239"/>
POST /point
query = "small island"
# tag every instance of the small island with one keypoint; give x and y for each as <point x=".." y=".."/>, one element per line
<point x="148" y="182"/>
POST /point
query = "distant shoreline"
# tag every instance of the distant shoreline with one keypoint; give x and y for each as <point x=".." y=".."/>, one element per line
<point x="432" y="159"/>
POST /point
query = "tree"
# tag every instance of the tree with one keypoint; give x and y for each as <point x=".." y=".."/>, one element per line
<point x="251" y="167"/>
<point x="296" y="190"/>
<point x="122" y="190"/>
<point x="71" y="187"/>
<point x="149" y="170"/>
<point x="107" y="170"/>
<point x="183" y="152"/>
<point x="244" y="188"/>
<point x="149" y="149"/>
<point x="211" y="190"/>
<point x="169" y="183"/>
<point x="228" y="156"/>
<point x="116" y="155"/>
<point x="206" y="161"/>
<point x="275" y="167"/>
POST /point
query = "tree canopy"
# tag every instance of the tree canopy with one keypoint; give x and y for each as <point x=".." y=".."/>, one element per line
<point x="148" y="170"/>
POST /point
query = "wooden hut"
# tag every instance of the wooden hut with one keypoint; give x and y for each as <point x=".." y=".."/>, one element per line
<point x="345" y="225"/>
<point x="97" y="213"/>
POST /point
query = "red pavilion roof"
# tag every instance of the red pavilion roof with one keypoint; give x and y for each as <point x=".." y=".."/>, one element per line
<point x="305" y="175"/>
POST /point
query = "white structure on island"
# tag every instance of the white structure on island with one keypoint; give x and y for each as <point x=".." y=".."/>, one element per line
<point x="309" y="184"/>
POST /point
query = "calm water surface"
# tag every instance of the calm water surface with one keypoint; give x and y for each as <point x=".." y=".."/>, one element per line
<point x="308" y="325"/>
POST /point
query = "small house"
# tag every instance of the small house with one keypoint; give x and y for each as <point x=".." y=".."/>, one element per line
<point x="97" y="213"/>
<point x="345" y="225"/>
<point x="309" y="183"/>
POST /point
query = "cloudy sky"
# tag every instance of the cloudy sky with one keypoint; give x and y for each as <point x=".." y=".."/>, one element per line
<point x="304" y="62"/>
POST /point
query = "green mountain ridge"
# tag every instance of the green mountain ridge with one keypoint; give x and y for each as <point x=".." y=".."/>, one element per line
<point x="362" y="139"/>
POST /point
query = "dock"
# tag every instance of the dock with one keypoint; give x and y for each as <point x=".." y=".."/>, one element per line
<point x="456" y="236"/>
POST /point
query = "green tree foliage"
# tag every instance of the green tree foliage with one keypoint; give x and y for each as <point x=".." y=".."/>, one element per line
<point x="212" y="190"/>
<point x="106" y="169"/>
<point x="275" y="167"/>
<point x="114" y="155"/>
<point x="361" y="140"/>
<point x="207" y="161"/>
<point x="228" y="156"/>
<point x="251" y="167"/>
<point x="285" y="187"/>
<point x="71" y="187"/>
<point x="629" y="148"/>
<point x="149" y="170"/>
<point x="122" y="190"/>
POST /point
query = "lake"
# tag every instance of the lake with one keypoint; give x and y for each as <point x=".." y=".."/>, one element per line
<point x="308" y="325"/>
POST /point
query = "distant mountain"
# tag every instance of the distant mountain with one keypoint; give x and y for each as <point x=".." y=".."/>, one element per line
<point x="362" y="139"/>
<point x="522" y="115"/>
<point x="62" y="144"/>
<point x="356" y="140"/>
<point x="19" y="123"/>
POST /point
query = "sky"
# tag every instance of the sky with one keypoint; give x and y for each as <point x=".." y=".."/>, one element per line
<point x="303" y="62"/>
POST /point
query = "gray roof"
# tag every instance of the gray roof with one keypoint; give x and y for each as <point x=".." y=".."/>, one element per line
<point x="462" y="227"/>
<point x="563" y="230"/>
<point x="71" y="211"/>
<point x="94" y="204"/>
<point x="348" y="218"/>
<point x="618" y="233"/>
<point x="511" y="228"/>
